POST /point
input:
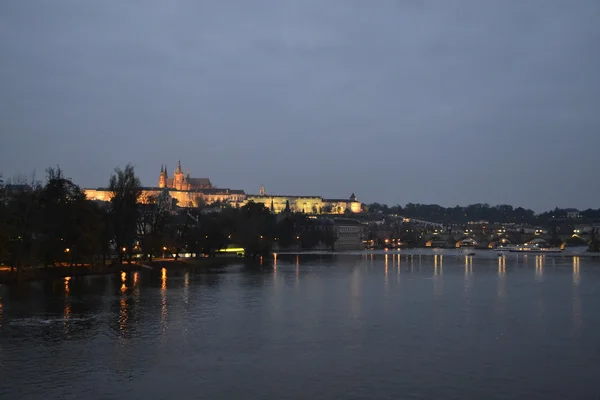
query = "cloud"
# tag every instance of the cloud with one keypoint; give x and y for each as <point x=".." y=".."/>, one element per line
<point x="397" y="101"/>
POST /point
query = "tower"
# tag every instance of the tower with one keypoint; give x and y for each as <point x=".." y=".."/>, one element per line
<point x="262" y="190"/>
<point x="162" y="178"/>
<point x="178" y="177"/>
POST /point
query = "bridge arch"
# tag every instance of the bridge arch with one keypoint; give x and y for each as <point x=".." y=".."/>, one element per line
<point x="467" y="242"/>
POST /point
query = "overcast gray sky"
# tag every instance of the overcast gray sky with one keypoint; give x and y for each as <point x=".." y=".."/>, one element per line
<point x="448" y="102"/>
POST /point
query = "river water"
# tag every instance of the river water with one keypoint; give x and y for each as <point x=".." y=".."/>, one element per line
<point x="364" y="326"/>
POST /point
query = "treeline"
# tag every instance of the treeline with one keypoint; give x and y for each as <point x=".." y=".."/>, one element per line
<point x="54" y="224"/>
<point x="477" y="212"/>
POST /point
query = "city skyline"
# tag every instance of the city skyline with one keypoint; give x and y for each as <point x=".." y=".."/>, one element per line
<point x="399" y="102"/>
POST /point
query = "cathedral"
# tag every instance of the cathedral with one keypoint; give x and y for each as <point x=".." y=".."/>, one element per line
<point x="192" y="192"/>
<point x="181" y="181"/>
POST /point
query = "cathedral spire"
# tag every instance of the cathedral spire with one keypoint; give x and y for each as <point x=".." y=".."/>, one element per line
<point x="179" y="166"/>
<point x="162" y="168"/>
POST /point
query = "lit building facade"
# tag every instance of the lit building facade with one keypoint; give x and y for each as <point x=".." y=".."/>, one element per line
<point x="191" y="192"/>
<point x="304" y="204"/>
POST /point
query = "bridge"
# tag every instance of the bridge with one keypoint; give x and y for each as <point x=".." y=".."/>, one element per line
<point x="491" y="241"/>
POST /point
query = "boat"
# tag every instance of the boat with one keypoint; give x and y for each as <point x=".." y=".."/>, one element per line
<point x="534" y="248"/>
<point x="502" y="250"/>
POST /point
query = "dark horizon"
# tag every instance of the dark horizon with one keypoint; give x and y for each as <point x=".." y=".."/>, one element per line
<point x="431" y="103"/>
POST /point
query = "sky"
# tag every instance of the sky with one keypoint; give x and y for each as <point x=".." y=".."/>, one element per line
<point x="445" y="102"/>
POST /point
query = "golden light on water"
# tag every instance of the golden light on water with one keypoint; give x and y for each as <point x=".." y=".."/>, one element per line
<point x="123" y="282"/>
<point x="386" y="269"/>
<point x="501" y="265"/>
<point x="576" y="276"/>
<point x="122" y="314"/>
<point x="468" y="266"/>
<point x="135" y="277"/>
<point x="67" y="289"/>
<point x="163" y="292"/>
<point x="163" y="279"/>
<point x="539" y="267"/>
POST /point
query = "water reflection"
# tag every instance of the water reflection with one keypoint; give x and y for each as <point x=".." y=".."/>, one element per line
<point x="501" y="277"/>
<point x="320" y="320"/>
<point x="186" y="287"/>
<point x="539" y="267"/>
<point x="576" y="276"/>
<point x="163" y="300"/>
<point x="438" y="264"/>
<point x="386" y="271"/>
<point x="67" y="306"/>
<point x="67" y="288"/>
<point x="468" y="266"/>
<point x="438" y="282"/>
<point x="123" y="282"/>
<point x="501" y="265"/>
<point x="122" y="315"/>
<point x="356" y="293"/>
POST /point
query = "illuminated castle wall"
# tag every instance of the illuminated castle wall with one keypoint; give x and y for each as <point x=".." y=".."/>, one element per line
<point x="190" y="192"/>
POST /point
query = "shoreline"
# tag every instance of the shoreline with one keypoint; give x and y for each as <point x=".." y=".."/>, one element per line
<point x="50" y="273"/>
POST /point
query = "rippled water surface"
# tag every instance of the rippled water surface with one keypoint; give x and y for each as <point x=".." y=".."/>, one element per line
<point x="323" y="327"/>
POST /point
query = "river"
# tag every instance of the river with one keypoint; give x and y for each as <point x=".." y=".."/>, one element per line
<point x="362" y="326"/>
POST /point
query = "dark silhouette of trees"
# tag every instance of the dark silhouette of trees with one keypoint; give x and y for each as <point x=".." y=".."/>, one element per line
<point x="126" y="192"/>
<point x="594" y="245"/>
<point x="154" y="214"/>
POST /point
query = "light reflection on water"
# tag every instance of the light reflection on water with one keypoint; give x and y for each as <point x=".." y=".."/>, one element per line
<point x="457" y="326"/>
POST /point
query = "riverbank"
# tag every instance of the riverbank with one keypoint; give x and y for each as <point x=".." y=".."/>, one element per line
<point x="49" y="273"/>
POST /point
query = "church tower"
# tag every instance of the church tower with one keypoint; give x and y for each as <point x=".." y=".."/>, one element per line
<point x="162" y="178"/>
<point x="178" y="177"/>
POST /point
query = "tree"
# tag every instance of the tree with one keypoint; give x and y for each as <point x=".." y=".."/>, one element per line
<point x="594" y="245"/>
<point x="254" y="229"/>
<point x="329" y="236"/>
<point x="19" y="221"/>
<point x="64" y="220"/>
<point x="125" y="188"/>
<point x="153" y="217"/>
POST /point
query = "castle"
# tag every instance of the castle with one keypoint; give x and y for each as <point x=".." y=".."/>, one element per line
<point x="181" y="182"/>
<point x="192" y="192"/>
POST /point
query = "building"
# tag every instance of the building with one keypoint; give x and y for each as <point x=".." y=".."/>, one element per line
<point x="188" y="191"/>
<point x="572" y="213"/>
<point x="192" y="192"/>
<point x="181" y="181"/>
<point x="349" y="234"/>
<point x="304" y="204"/>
